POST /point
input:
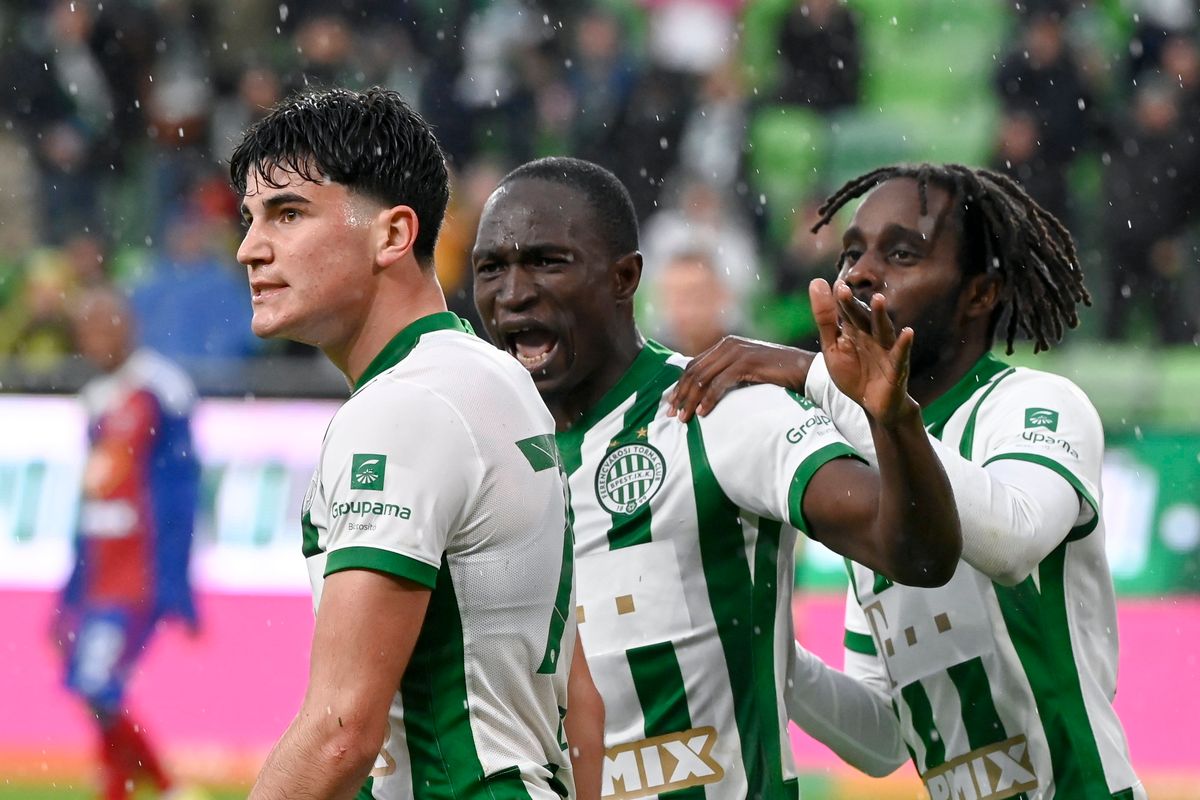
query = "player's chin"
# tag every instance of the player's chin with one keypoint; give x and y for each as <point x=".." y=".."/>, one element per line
<point x="268" y="325"/>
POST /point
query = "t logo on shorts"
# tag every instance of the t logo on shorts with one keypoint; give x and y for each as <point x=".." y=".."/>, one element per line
<point x="366" y="471"/>
<point x="1041" y="418"/>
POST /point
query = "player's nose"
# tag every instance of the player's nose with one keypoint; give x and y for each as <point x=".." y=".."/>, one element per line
<point x="517" y="288"/>
<point x="254" y="249"/>
<point x="862" y="276"/>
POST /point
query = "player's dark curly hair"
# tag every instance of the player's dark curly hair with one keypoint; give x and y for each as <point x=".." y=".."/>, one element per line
<point x="372" y="142"/>
<point x="608" y="197"/>
<point x="1002" y="231"/>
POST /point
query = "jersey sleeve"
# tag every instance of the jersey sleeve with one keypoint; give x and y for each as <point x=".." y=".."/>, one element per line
<point x="1045" y="420"/>
<point x="764" y="444"/>
<point x="400" y="470"/>
<point x="848" y="416"/>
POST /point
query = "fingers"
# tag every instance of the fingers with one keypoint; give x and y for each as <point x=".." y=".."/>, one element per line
<point x="900" y="356"/>
<point x="851" y="309"/>
<point x="694" y="385"/>
<point x="825" y="312"/>
<point x="881" y="323"/>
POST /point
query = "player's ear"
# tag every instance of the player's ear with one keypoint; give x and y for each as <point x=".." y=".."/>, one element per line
<point x="626" y="275"/>
<point x="982" y="295"/>
<point x="395" y="233"/>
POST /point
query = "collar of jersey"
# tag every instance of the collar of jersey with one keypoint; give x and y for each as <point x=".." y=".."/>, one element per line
<point x="403" y="343"/>
<point x="647" y="364"/>
<point x="938" y="412"/>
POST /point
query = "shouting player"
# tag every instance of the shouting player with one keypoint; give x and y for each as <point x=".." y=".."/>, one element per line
<point x="1003" y="679"/>
<point x="435" y="528"/>
<point x="684" y="535"/>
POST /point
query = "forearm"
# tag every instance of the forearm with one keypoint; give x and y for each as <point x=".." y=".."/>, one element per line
<point x="316" y="759"/>
<point x="1013" y="513"/>
<point x="585" y="736"/>
<point x="584" y="726"/>
<point x="916" y="521"/>
<point x="852" y="719"/>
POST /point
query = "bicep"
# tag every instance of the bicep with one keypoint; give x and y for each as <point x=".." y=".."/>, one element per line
<point x="367" y="626"/>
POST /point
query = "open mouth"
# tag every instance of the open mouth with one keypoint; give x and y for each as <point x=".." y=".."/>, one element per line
<point x="532" y="347"/>
<point x="260" y="292"/>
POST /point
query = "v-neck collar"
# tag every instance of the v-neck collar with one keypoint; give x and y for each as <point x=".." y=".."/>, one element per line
<point x="403" y="343"/>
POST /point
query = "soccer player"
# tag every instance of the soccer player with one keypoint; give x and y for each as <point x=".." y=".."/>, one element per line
<point x="435" y="527"/>
<point x="140" y="487"/>
<point x="684" y="535"/>
<point x="1003" y="679"/>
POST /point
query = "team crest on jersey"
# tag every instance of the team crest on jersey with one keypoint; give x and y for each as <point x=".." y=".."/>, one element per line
<point x="629" y="477"/>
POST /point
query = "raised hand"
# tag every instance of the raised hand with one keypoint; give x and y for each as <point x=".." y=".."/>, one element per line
<point x="867" y="360"/>
<point x="732" y="362"/>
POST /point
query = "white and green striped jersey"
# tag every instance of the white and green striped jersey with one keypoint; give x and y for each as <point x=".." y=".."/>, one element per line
<point x="1001" y="691"/>
<point x="683" y="542"/>
<point x="441" y="469"/>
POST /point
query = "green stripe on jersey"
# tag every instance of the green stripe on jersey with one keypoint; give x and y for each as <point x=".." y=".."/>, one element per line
<point x="633" y="529"/>
<point x="766" y="595"/>
<point x="437" y="723"/>
<point x="979" y="715"/>
<point x="1038" y="626"/>
<point x="310" y="536"/>
<point x="921" y="711"/>
<point x="385" y="561"/>
<point x="562" y="600"/>
<point x="731" y="595"/>
<point x="860" y="643"/>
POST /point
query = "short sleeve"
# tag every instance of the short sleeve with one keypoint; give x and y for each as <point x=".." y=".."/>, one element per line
<point x="764" y="444"/>
<point x="848" y="416"/>
<point x="400" y="471"/>
<point x="1046" y="420"/>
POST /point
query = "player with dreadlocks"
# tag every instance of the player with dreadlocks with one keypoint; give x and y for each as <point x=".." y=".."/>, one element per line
<point x="1001" y="681"/>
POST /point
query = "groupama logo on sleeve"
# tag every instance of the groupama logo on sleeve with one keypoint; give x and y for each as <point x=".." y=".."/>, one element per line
<point x="1041" y="418"/>
<point x="366" y="471"/>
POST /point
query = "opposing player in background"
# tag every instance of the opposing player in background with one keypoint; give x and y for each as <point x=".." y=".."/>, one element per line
<point x="1003" y="679"/>
<point x="684" y="536"/>
<point x="435" y="527"/>
<point x="140" y="489"/>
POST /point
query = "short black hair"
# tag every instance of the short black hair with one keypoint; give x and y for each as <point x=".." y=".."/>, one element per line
<point x="1003" y="231"/>
<point x="371" y="142"/>
<point x="610" y="201"/>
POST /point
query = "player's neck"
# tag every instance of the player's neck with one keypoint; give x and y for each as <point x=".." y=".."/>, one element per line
<point x="570" y="406"/>
<point x="934" y="381"/>
<point x="391" y="313"/>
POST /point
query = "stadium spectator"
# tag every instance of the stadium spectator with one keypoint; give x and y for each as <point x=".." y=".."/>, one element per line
<point x="821" y="57"/>
<point x="962" y="254"/>
<point x="1149" y="192"/>
<point x="694" y="303"/>
<point x="192" y="305"/>
<point x="1041" y="78"/>
<point x="140" y="490"/>
<point x="443" y="624"/>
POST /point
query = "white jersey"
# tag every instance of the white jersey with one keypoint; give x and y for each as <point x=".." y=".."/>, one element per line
<point x="1001" y="691"/>
<point x="684" y="537"/>
<point x="441" y="469"/>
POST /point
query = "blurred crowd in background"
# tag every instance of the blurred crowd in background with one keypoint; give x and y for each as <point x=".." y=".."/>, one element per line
<point x="729" y="121"/>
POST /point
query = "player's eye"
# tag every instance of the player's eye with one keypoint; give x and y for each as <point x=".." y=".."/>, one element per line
<point x="289" y="215"/>
<point x="905" y="256"/>
<point x="849" y="257"/>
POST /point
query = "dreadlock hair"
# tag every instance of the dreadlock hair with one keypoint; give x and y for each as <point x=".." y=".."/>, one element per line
<point x="1004" y="231"/>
